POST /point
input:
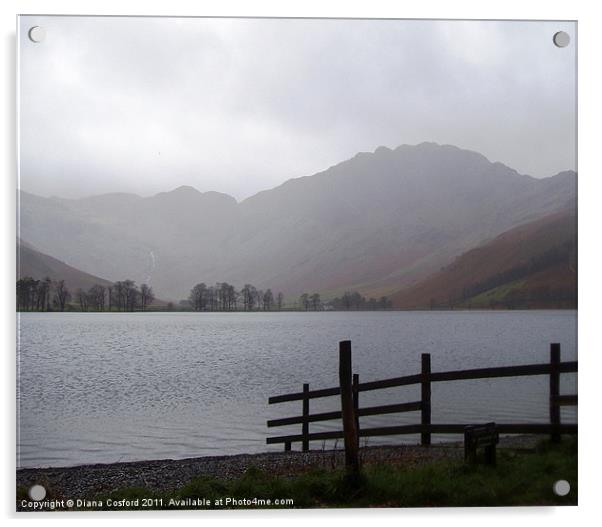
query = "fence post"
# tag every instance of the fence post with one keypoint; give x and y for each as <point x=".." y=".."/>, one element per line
<point x="305" y="426"/>
<point x="426" y="397"/>
<point x="554" y="389"/>
<point x="349" y="430"/>
<point x="356" y="405"/>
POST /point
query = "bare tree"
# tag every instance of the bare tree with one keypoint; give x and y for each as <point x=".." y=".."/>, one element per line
<point x="96" y="297"/>
<point x="223" y="295"/>
<point x="126" y="295"/>
<point x="304" y="300"/>
<point x="315" y="301"/>
<point x="268" y="300"/>
<point x="61" y="295"/>
<point x="27" y="293"/>
<point x="248" y="293"/>
<point x="347" y="299"/>
<point x="82" y="298"/>
<point x="46" y="287"/>
<point x="146" y="296"/>
<point x="232" y="298"/>
<point x="198" y="297"/>
<point x="259" y="299"/>
<point x="131" y="294"/>
<point x="212" y="298"/>
<point x="280" y="300"/>
<point x="119" y="293"/>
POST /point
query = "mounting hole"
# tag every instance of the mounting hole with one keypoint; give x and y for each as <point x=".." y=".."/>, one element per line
<point x="562" y="487"/>
<point x="37" y="493"/>
<point x="561" y="39"/>
<point x="37" y="34"/>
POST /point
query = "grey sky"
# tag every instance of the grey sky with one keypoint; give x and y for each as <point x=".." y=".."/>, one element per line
<point x="240" y="105"/>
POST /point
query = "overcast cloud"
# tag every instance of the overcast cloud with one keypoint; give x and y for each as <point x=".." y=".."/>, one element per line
<point x="240" y="105"/>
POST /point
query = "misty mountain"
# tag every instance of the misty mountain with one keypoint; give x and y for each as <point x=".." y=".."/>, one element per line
<point x="38" y="266"/>
<point x="376" y="223"/>
<point x="533" y="265"/>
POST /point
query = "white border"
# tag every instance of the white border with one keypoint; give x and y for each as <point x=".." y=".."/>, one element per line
<point x="590" y="254"/>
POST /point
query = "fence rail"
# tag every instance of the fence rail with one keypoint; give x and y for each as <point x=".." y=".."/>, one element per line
<point x="456" y="375"/>
<point x="554" y="428"/>
<point x="503" y="428"/>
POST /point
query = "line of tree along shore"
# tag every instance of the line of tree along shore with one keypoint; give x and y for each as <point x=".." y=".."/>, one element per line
<point x="54" y="295"/>
<point x="224" y="297"/>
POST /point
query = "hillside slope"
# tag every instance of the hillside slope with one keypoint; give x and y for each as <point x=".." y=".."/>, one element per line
<point x="530" y="266"/>
<point x="37" y="265"/>
<point x="376" y="222"/>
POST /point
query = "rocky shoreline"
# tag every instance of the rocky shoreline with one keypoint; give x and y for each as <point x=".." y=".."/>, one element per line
<point x="89" y="481"/>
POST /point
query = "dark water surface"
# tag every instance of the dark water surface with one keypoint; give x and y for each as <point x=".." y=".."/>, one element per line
<point x="107" y="387"/>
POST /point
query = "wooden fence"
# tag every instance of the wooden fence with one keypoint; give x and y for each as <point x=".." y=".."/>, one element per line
<point x="350" y="388"/>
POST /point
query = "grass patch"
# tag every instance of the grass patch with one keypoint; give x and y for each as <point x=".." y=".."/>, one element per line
<point x="495" y="295"/>
<point x="520" y="478"/>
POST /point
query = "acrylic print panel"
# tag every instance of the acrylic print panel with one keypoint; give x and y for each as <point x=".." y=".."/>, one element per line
<point x="248" y="248"/>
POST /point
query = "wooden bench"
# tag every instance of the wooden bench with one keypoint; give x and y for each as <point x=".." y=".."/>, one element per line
<point x="481" y="436"/>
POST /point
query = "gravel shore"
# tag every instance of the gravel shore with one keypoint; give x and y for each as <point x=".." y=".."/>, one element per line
<point x="89" y="481"/>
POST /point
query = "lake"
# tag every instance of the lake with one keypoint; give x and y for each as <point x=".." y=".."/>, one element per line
<point x="108" y="387"/>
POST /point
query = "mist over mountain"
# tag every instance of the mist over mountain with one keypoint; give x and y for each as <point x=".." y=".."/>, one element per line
<point x="376" y="223"/>
<point x="533" y="265"/>
<point x="34" y="264"/>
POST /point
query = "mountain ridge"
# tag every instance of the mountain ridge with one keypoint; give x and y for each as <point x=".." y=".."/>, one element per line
<point x="378" y="220"/>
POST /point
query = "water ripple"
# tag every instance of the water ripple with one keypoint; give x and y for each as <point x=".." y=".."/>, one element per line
<point x="108" y="387"/>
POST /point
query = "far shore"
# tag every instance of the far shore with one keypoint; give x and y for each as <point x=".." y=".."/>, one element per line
<point x="392" y="310"/>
